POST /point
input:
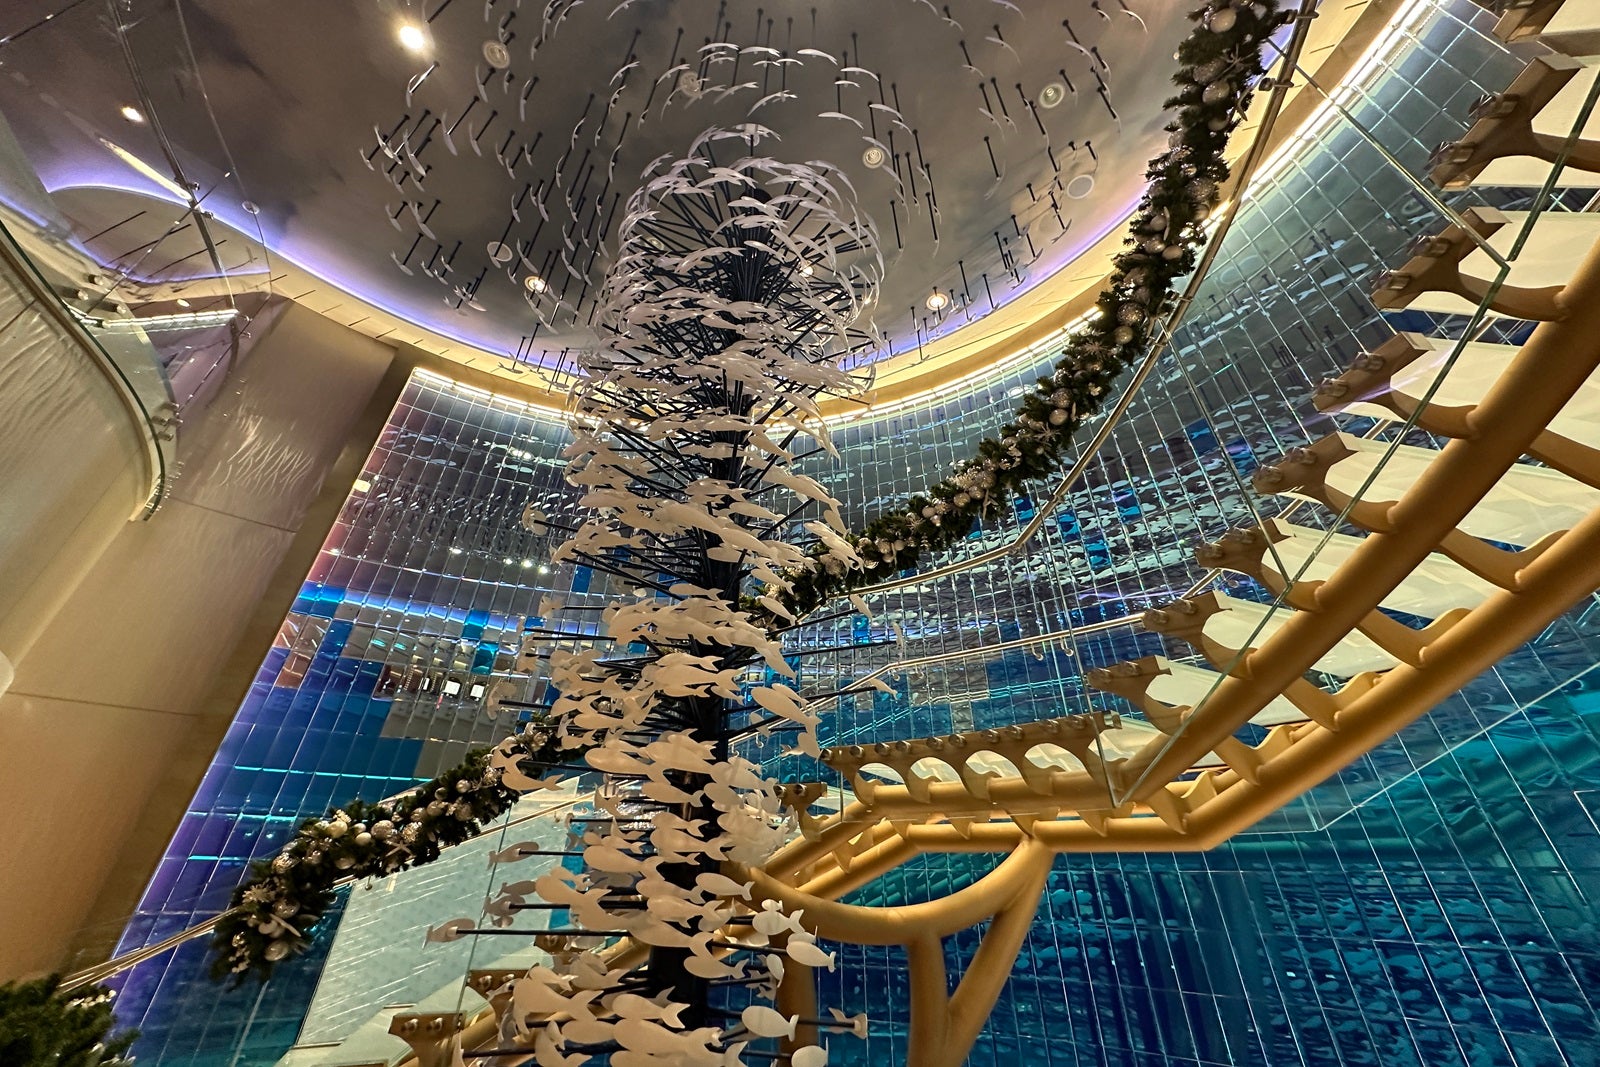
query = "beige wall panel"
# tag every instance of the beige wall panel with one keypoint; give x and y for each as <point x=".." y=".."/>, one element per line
<point x="68" y="807"/>
<point x="148" y="657"/>
<point x="264" y="448"/>
<point x="72" y="467"/>
<point x="158" y="613"/>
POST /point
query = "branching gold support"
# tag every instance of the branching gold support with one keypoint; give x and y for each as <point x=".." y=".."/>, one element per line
<point x="1435" y="267"/>
<point x="1502" y="127"/>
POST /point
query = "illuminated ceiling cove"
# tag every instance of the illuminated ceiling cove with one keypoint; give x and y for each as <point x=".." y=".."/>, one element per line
<point x="464" y="164"/>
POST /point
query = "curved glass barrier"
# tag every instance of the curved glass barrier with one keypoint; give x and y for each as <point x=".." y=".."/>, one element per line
<point x="120" y="192"/>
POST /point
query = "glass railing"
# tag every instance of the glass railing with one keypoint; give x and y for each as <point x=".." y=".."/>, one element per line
<point x="985" y="639"/>
<point x="121" y="197"/>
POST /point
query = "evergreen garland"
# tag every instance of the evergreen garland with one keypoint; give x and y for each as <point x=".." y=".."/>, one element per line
<point x="1219" y="61"/>
<point x="273" y="912"/>
<point x="42" y="1026"/>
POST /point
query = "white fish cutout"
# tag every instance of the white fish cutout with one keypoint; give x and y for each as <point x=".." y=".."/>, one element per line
<point x="454" y="930"/>
<point x="805" y="952"/>
<point x="765" y="1022"/>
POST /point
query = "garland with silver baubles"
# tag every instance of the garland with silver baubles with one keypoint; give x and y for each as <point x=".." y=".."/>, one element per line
<point x="273" y="913"/>
<point x="1220" y="62"/>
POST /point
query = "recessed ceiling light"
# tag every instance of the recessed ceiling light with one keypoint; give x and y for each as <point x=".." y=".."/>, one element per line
<point x="1080" y="187"/>
<point x="808" y="270"/>
<point x="250" y="207"/>
<point x="132" y="114"/>
<point x="874" y="156"/>
<point x="1052" y="95"/>
<point x="412" y="37"/>
<point x="534" y="284"/>
<point x="181" y="302"/>
<point x="496" y="54"/>
<point x="454" y="551"/>
<point x="937" y="301"/>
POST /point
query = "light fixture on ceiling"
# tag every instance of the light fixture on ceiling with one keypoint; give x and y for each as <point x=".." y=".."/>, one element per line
<point x="496" y="54"/>
<point x="527" y="563"/>
<point x="133" y="114"/>
<point x="874" y="157"/>
<point x="808" y="270"/>
<point x="534" y="284"/>
<point x="413" y="38"/>
<point x="181" y="302"/>
<point x="250" y="207"/>
<point x="147" y="171"/>
<point x="1052" y="95"/>
<point x="937" y="301"/>
<point x="193" y="320"/>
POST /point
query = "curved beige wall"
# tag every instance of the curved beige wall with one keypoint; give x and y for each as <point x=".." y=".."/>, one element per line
<point x="121" y="701"/>
<point x="73" y="466"/>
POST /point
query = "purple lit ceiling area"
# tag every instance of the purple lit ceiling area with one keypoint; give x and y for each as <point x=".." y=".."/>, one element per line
<point x="464" y="164"/>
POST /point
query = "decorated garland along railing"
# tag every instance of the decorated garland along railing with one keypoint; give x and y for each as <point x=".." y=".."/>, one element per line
<point x="274" y="911"/>
<point x="1219" y="62"/>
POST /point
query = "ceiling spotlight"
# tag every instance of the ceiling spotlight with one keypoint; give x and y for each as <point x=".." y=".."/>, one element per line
<point x="874" y="156"/>
<point x="808" y="270"/>
<point x="412" y="37"/>
<point x="496" y="55"/>
<point x="937" y="301"/>
<point x="181" y="302"/>
<point x="1052" y="95"/>
<point x="500" y="253"/>
<point x="251" y="207"/>
<point x="527" y="563"/>
<point x="534" y="284"/>
<point x="133" y="114"/>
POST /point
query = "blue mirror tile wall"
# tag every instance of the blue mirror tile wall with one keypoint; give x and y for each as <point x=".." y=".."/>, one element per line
<point x="374" y="683"/>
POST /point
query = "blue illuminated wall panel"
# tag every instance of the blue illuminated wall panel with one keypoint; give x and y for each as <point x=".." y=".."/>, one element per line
<point x="374" y="682"/>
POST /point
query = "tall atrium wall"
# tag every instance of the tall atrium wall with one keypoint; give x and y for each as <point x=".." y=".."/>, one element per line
<point x="1435" y="904"/>
<point x="376" y="680"/>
